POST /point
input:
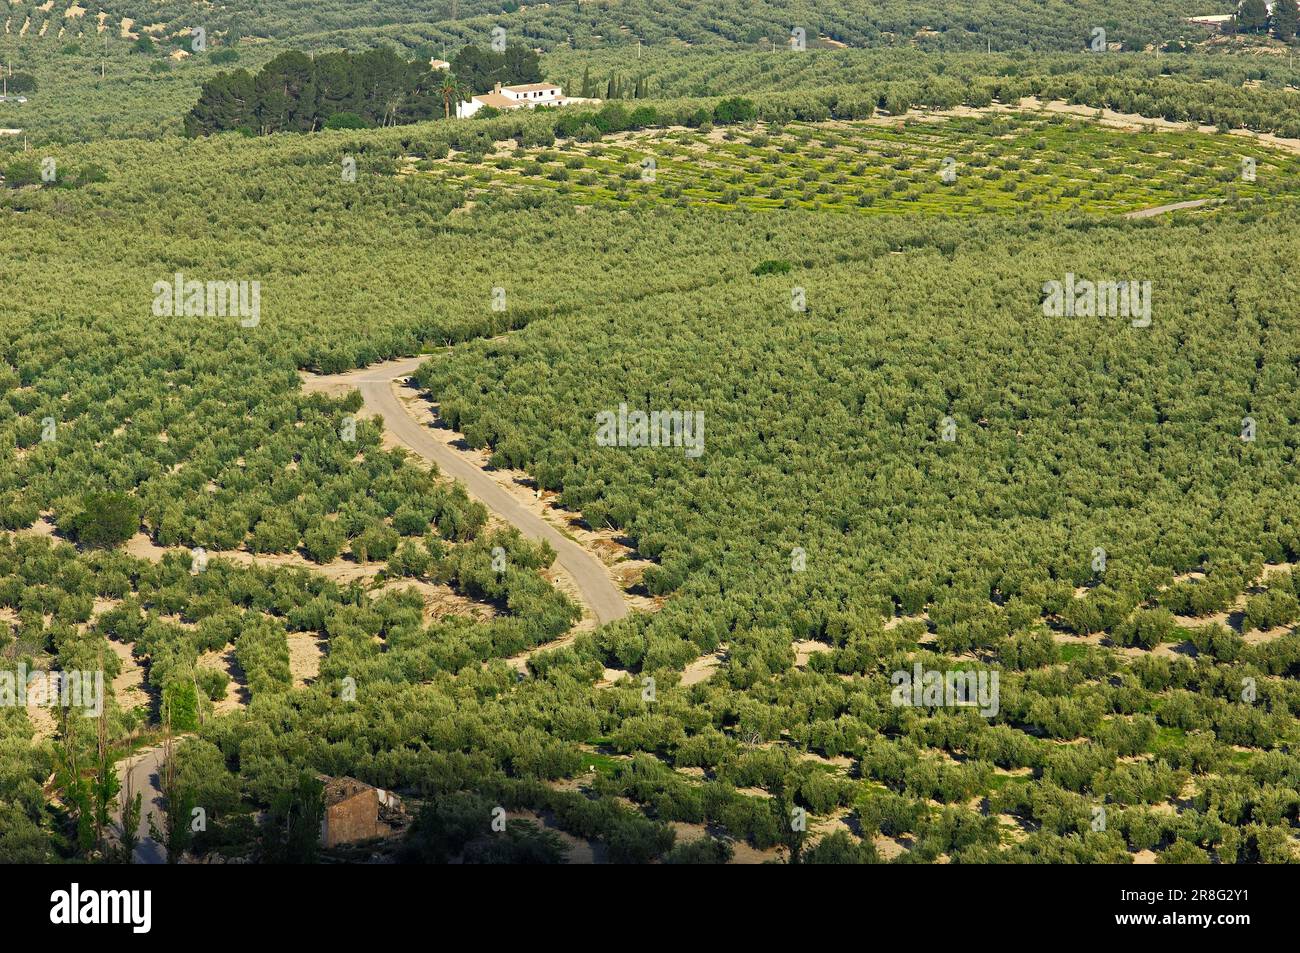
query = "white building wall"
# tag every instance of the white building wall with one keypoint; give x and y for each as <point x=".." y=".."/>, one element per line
<point x="545" y="97"/>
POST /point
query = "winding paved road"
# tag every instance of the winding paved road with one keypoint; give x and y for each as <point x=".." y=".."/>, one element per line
<point x="603" y="598"/>
<point x="145" y="768"/>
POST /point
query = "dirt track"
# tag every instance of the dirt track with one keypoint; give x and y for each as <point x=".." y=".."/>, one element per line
<point x="145" y="769"/>
<point x="603" y="599"/>
<point x="1171" y="207"/>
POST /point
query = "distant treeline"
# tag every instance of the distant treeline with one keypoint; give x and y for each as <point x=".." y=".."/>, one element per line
<point x="615" y="117"/>
<point x="299" y="93"/>
<point x="477" y="70"/>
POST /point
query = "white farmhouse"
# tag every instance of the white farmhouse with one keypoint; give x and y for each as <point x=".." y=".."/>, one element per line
<point x="515" y="97"/>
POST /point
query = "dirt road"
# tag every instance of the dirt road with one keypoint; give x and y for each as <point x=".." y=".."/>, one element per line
<point x="602" y="597"/>
<point x="1162" y="209"/>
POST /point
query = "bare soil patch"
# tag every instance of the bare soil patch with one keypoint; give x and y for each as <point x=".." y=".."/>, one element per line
<point x="129" y="685"/>
<point x="701" y="670"/>
<point x="306" y="649"/>
<point x="806" y="649"/>
<point x="237" y="693"/>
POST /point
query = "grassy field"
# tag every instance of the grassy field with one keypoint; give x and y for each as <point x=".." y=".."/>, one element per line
<point x="960" y="165"/>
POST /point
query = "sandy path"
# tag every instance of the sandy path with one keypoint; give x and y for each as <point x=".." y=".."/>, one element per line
<point x="602" y="597"/>
<point x="1171" y="207"/>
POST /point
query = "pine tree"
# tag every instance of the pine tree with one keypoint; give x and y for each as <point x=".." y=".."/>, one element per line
<point x="1286" y="18"/>
<point x="1252" y="17"/>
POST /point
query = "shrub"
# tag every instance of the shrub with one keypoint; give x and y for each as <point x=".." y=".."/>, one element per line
<point x="212" y="682"/>
<point x="180" y="705"/>
<point x="772" y="267"/>
<point x="840" y="848"/>
<point x="324" y="542"/>
<point x="1147" y="629"/>
<point x="1271" y="609"/>
<point x="22" y="172"/>
<point x="703" y="850"/>
<point x="643" y="117"/>
<point x="734" y="110"/>
<point x="345" y="120"/>
<point x="274" y="534"/>
<point x="105" y="520"/>
<point x="375" y="543"/>
<point x="410" y="559"/>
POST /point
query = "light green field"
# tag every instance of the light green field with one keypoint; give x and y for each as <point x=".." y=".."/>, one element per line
<point x="1003" y="164"/>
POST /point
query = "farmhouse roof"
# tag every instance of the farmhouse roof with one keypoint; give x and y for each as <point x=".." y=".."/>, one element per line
<point x="496" y="100"/>
<point x="341" y="789"/>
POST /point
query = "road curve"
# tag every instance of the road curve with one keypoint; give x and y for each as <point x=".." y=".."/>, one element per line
<point x="603" y="598"/>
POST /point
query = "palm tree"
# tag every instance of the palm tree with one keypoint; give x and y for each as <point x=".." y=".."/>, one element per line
<point x="451" y="90"/>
